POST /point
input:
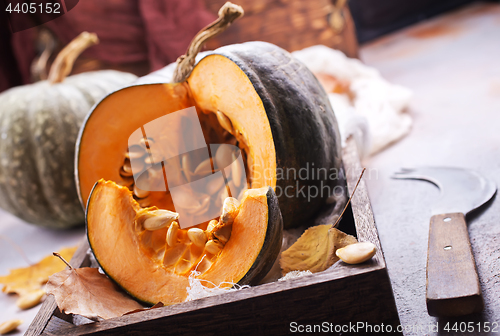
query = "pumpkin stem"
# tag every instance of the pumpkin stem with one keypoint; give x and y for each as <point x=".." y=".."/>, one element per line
<point x="63" y="260"/>
<point x="349" y="201"/>
<point x="185" y="64"/>
<point x="64" y="61"/>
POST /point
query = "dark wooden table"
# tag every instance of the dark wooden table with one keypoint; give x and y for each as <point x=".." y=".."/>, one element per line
<point x="452" y="64"/>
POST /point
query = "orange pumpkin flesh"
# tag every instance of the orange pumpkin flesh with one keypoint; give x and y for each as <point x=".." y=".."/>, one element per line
<point x="145" y="266"/>
<point x="104" y="142"/>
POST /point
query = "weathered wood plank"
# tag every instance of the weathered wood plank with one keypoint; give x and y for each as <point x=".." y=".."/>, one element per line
<point x="366" y="229"/>
<point x="305" y="301"/>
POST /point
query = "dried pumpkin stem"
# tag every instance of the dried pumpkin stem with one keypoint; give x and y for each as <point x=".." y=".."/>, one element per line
<point x="349" y="201"/>
<point x="63" y="260"/>
<point x="65" y="60"/>
<point x="227" y="14"/>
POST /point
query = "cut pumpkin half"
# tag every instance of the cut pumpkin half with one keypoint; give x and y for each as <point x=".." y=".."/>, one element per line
<point x="255" y="96"/>
<point x="152" y="260"/>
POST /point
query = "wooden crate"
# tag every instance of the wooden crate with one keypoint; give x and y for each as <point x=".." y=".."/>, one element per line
<point x="340" y="295"/>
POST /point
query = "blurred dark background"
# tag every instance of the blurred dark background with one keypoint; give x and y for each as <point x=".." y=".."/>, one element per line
<point x="376" y="18"/>
<point x="140" y="36"/>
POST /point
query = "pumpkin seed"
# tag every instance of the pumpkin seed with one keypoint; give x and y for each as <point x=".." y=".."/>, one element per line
<point x="127" y="168"/>
<point x="204" y="168"/>
<point x="124" y="173"/>
<point x="214" y="185"/>
<point x="135" y="152"/>
<point x="197" y="236"/>
<point x="223" y="156"/>
<point x="212" y="224"/>
<point x="213" y="247"/>
<point x="172" y="234"/>
<point x="187" y="166"/>
<point x="225" y="122"/>
<point x="157" y="219"/>
<point x="224" y="233"/>
<point x="356" y="253"/>
<point x="128" y="181"/>
<point x="237" y="171"/>
<point x="9" y="325"/>
<point x="230" y="210"/>
<point x="31" y="299"/>
<point x="141" y="193"/>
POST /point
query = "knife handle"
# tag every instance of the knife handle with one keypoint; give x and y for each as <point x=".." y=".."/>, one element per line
<point x="453" y="287"/>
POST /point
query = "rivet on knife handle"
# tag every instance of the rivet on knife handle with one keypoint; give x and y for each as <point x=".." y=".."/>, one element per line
<point x="453" y="287"/>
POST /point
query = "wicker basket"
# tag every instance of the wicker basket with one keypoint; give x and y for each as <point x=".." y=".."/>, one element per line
<point x="291" y="24"/>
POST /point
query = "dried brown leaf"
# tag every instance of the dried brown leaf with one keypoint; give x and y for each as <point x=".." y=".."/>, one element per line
<point x="85" y="291"/>
<point x="315" y="250"/>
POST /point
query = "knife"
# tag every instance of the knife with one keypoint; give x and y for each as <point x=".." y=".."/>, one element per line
<point x="452" y="287"/>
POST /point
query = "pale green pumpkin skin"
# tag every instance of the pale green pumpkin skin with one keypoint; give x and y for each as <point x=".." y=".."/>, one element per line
<point x="39" y="124"/>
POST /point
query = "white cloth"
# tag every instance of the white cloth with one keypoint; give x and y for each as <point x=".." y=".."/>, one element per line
<point x="376" y="115"/>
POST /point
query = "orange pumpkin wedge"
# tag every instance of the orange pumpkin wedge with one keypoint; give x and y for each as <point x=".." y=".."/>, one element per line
<point x="143" y="263"/>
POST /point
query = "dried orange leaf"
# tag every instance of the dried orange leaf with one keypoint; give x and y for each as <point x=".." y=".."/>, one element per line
<point x="85" y="291"/>
<point x="30" y="279"/>
<point x="315" y="250"/>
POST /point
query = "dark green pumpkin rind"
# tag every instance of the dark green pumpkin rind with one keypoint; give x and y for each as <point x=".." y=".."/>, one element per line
<point x="302" y="121"/>
<point x="272" y="243"/>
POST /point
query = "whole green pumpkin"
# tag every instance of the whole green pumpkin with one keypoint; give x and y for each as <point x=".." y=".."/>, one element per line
<point x="39" y="125"/>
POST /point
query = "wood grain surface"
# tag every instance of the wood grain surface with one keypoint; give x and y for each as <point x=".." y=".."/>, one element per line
<point x="453" y="287"/>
